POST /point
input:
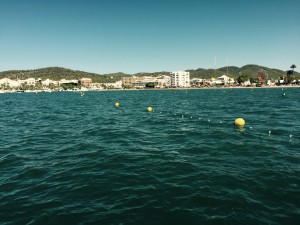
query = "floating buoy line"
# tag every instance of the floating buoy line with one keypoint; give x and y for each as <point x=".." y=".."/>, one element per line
<point x="238" y="122"/>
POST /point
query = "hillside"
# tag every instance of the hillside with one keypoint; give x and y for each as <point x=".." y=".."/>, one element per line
<point x="232" y="71"/>
<point x="57" y="73"/>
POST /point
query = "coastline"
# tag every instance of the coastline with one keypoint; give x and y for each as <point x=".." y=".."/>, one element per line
<point x="147" y="89"/>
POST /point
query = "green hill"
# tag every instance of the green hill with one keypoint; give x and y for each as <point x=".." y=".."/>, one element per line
<point x="58" y="73"/>
<point x="232" y="71"/>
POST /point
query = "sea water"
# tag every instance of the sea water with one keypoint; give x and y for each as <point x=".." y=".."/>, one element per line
<point x="72" y="159"/>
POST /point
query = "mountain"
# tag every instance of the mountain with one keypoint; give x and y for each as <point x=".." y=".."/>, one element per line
<point x="57" y="73"/>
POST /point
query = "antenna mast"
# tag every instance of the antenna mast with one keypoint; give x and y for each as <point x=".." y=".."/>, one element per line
<point x="227" y="67"/>
<point x="215" y="65"/>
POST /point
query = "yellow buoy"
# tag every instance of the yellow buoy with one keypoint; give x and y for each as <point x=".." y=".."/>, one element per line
<point x="117" y="104"/>
<point x="149" y="109"/>
<point x="239" y="122"/>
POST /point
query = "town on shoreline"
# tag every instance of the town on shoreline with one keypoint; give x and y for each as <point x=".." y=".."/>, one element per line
<point x="175" y="80"/>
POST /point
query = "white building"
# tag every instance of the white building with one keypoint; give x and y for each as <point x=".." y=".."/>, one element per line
<point x="115" y="85"/>
<point x="30" y="81"/>
<point x="197" y="82"/>
<point x="17" y="83"/>
<point x="47" y="82"/>
<point x="180" y="79"/>
<point x="223" y="80"/>
<point x="141" y="82"/>
<point x="64" y="81"/>
<point x="9" y="83"/>
<point x="162" y="81"/>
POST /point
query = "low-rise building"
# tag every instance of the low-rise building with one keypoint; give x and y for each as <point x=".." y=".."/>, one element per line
<point x="49" y="82"/>
<point x="86" y="82"/>
<point x="96" y="86"/>
<point x="163" y="81"/>
<point x="128" y="81"/>
<point x="69" y="82"/>
<point x="6" y="82"/>
<point x="30" y="81"/>
<point x="199" y="82"/>
<point x="223" y="80"/>
<point x="142" y="81"/>
<point x="115" y="85"/>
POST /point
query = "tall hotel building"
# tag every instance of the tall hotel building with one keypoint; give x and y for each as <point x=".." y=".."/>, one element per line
<point x="180" y="79"/>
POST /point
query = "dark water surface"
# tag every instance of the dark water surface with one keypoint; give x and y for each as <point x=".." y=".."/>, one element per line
<point x="67" y="159"/>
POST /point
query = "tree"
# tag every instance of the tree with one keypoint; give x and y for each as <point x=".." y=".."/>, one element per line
<point x="242" y="78"/>
<point x="150" y="85"/>
<point x="252" y="80"/>
<point x="293" y="67"/>
<point x="290" y="73"/>
<point x="261" y="76"/>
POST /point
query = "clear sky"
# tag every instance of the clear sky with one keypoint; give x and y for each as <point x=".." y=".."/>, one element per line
<point x="106" y="36"/>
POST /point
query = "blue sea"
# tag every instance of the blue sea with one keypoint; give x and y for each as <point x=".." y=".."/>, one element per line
<point x="72" y="159"/>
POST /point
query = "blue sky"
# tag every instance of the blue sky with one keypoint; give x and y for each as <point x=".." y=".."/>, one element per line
<point x="106" y="36"/>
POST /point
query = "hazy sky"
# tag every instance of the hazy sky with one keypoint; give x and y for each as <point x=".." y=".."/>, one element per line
<point x="105" y="36"/>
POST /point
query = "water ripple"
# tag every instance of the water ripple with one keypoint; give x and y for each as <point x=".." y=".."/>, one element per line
<point x="66" y="159"/>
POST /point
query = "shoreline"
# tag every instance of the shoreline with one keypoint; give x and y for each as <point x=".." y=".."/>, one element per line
<point x="147" y="89"/>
